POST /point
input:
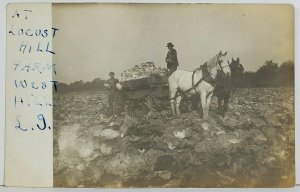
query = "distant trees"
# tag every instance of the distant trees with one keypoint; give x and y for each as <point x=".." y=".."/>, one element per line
<point x="287" y="74"/>
<point x="270" y="75"/>
<point x="96" y="84"/>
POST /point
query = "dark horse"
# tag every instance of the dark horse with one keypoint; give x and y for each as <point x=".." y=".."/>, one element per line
<point x="226" y="84"/>
<point x="236" y="69"/>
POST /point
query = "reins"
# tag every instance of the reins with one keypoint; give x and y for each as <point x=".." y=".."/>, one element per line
<point x="225" y="66"/>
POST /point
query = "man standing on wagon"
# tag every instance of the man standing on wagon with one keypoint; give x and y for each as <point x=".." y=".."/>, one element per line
<point x="171" y="59"/>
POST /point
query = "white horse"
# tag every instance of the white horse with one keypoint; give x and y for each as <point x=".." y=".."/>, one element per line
<point x="192" y="83"/>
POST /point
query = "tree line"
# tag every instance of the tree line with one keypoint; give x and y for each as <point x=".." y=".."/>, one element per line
<point x="96" y="84"/>
<point x="271" y="74"/>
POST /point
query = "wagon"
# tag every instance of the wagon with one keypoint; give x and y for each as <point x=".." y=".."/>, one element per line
<point x="154" y="85"/>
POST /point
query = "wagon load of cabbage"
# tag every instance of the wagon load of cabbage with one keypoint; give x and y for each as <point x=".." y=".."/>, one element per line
<point x="145" y="74"/>
<point x="143" y="70"/>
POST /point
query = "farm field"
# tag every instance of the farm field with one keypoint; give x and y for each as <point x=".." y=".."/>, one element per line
<point x="146" y="146"/>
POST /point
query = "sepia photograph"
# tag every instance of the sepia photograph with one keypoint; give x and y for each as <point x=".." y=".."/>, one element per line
<point x="173" y="95"/>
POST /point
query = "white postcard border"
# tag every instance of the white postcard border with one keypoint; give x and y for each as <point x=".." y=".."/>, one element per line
<point x="3" y="53"/>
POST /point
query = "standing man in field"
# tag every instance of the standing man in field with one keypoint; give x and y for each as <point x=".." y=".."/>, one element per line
<point x="113" y="95"/>
<point x="171" y="59"/>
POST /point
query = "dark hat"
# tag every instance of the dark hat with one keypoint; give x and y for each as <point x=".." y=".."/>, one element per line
<point x="170" y="45"/>
<point x="111" y="73"/>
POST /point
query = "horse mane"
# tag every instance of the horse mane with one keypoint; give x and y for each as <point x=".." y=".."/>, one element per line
<point x="212" y="62"/>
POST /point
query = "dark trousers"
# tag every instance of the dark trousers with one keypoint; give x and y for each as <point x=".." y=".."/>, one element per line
<point x="113" y="102"/>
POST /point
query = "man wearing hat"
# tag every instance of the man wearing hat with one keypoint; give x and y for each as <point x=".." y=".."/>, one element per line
<point x="113" y="93"/>
<point x="171" y="59"/>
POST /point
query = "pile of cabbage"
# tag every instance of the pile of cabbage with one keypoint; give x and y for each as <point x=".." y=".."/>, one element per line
<point x="143" y="70"/>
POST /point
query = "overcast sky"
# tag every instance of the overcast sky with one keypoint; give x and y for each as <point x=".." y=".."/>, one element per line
<point x="94" y="39"/>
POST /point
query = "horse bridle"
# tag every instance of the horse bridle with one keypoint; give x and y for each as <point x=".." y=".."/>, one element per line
<point x="225" y="66"/>
<point x="218" y="65"/>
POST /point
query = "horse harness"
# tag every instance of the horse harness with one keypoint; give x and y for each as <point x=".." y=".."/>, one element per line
<point x="206" y="76"/>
